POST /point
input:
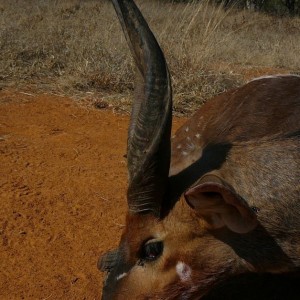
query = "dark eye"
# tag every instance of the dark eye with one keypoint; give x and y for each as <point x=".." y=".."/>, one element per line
<point x="151" y="250"/>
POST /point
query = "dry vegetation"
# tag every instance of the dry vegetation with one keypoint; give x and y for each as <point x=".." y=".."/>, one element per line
<point x="77" y="48"/>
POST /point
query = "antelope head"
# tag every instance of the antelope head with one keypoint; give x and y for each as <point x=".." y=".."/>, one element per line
<point x="171" y="249"/>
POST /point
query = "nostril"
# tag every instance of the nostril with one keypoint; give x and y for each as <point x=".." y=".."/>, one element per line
<point x="107" y="261"/>
<point x="104" y="264"/>
<point x="105" y="278"/>
<point x="100" y="264"/>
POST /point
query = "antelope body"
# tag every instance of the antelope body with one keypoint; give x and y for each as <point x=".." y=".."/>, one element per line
<point x="221" y="198"/>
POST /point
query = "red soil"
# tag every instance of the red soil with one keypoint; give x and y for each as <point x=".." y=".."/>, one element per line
<point x="62" y="193"/>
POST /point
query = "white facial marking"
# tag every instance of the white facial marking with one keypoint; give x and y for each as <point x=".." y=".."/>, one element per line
<point x="179" y="146"/>
<point x="198" y="135"/>
<point x="184" y="271"/>
<point x="184" y="153"/>
<point x="187" y="129"/>
<point x="121" y="276"/>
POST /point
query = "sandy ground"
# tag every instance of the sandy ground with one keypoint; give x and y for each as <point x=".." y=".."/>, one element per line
<point x="62" y="180"/>
<point x="62" y="188"/>
<point x="62" y="204"/>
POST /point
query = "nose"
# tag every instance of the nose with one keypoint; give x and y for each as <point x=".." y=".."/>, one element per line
<point x="108" y="260"/>
<point x="101" y="263"/>
<point x="109" y="287"/>
<point x="104" y="266"/>
<point x="106" y="296"/>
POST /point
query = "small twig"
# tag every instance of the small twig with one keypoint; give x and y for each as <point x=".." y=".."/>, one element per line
<point x="28" y="94"/>
<point x="76" y="151"/>
<point x="120" y="225"/>
<point x="47" y="297"/>
<point x="105" y="199"/>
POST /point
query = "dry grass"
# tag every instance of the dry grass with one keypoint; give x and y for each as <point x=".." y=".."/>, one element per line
<point x="77" y="47"/>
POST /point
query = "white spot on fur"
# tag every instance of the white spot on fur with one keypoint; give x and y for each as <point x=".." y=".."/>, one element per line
<point x="184" y="271"/>
<point x="179" y="146"/>
<point x="184" y="153"/>
<point x="190" y="146"/>
<point x="187" y="129"/>
<point x="121" y="276"/>
<point x="198" y="135"/>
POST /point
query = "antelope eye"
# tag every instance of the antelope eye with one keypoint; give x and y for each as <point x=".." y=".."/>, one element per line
<point x="151" y="250"/>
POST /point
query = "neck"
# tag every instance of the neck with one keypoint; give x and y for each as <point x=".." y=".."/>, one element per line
<point x="264" y="251"/>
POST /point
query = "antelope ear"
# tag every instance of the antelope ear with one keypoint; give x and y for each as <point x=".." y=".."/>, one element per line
<point x="218" y="203"/>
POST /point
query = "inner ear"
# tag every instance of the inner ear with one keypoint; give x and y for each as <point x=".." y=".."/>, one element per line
<point x="219" y="204"/>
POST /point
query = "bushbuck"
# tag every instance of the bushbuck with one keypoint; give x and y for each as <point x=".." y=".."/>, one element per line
<point x="219" y="199"/>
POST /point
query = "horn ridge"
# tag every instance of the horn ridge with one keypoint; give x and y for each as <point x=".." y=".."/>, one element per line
<point x="148" y="149"/>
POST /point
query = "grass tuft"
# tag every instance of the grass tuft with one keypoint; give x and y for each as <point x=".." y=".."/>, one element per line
<point x="77" y="47"/>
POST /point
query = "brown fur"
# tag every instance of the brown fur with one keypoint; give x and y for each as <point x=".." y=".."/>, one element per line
<point x="249" y="137"/>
